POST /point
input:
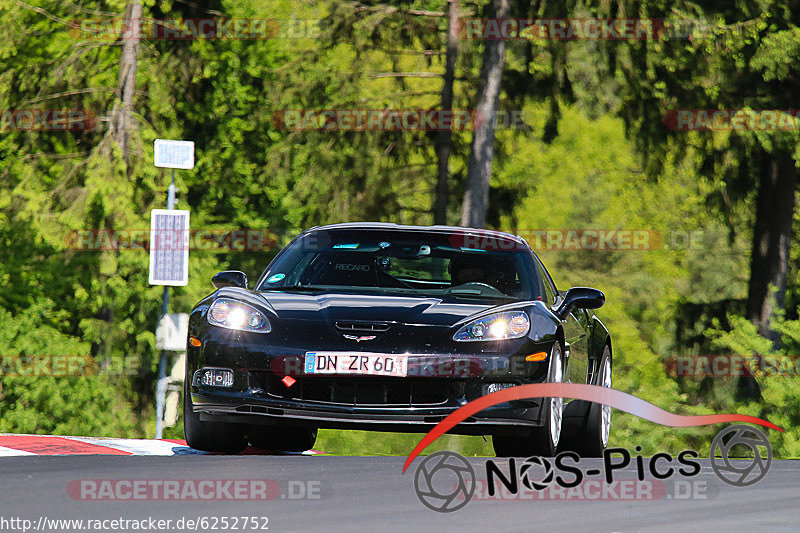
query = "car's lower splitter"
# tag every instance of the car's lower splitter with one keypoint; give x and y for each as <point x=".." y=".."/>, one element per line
<point x="505" y="419"/>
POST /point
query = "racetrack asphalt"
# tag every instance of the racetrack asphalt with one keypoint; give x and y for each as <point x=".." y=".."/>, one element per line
<point x="369" y="494"/>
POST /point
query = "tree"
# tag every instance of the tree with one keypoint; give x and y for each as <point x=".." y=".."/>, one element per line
<point x="772" y="235"/>
<point x="121" y="122"/>
<point x="739" y="57"/>
<point x="479" y="170"/>
<point x="444" y="140"/>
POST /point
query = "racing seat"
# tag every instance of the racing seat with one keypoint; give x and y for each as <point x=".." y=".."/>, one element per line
<point x="347" y="269"/>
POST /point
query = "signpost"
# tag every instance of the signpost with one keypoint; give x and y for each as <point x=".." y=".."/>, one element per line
<point x="169" y="250"/>
<point x="172" y="332"/>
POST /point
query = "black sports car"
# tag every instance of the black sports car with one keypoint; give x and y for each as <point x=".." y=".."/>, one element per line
<point x="387" y="327"/>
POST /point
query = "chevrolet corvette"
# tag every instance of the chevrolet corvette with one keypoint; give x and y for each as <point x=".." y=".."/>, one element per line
<point x="386" y="327"/>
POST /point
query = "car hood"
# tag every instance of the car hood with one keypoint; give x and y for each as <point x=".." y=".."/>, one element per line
<point x="398" y="309"/>
<point x="332" y="321"/>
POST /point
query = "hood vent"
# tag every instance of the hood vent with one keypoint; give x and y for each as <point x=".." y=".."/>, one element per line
<point x="357" y="326"/>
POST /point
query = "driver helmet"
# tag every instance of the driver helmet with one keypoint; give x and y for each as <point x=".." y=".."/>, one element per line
<point x="467" y="269"/>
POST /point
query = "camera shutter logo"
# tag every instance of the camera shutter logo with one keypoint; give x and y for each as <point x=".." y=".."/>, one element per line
<point x="740" y="472"/>
<point x="444" y="482"/>
<point x="525" y="475"/>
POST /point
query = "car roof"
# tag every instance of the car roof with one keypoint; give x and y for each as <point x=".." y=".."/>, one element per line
<point x="438" y="229"/>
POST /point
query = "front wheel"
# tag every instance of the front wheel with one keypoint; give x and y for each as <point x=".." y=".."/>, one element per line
<point x="210" y="436"/>
<point x="592" y="439"/>
<point x="543" y="440"/>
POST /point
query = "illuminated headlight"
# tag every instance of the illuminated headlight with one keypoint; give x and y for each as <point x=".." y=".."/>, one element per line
<point x="237" y="315"/>
<point x="508" y="325"/>
<point x="213" y="377"/>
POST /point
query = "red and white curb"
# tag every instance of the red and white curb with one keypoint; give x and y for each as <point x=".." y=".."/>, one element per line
<point x="19" y="445"/>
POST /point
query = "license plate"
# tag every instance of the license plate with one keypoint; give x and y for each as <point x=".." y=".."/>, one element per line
<point x="365" y="364"/>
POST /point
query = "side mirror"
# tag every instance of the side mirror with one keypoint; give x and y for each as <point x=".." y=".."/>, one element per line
<point x="230" y="278"/>
<point x="582" y="298"/>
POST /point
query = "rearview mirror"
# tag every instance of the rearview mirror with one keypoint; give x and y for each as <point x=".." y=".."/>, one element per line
<point x="230" y="278"/>
<point x="582" y="298"/>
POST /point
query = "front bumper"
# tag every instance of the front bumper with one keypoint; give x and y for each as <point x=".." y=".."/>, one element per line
<point x="436" y="386"/>
<point x="254" y="409"/>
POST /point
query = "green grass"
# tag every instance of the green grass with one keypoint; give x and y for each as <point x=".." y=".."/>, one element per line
<point x="347" y="442"/>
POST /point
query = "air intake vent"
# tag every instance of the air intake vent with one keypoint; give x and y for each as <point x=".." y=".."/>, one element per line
<point x="349" y="326"/>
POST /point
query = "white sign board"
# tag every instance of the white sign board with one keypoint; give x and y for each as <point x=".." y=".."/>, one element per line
<point x="174" y="154"/>
<point x="169" y="247"/>
<point x="172" y="332"/>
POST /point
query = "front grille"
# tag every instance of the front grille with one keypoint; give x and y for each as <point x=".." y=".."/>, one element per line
<point x="352" y="326"/>
<point x="361" y="391"/>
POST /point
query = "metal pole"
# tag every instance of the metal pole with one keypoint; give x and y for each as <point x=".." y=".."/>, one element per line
<point x="161" y="387"/>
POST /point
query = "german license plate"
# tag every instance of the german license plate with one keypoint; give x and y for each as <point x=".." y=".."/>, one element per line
<point x="365" y="364"/>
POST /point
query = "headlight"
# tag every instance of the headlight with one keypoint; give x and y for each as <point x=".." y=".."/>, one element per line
<point x="508" y="325"/>
<point x="237" y="315"/>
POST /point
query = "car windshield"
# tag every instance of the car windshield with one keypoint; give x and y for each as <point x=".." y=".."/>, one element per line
<point x="415" y="263"/>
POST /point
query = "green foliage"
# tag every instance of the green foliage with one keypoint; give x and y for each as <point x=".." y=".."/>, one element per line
<point x="780" y="402"/>
<point x="572" y="168"/>
<point x="53" y="404"/>
<point x="338" y="442"/>
<point x="589" y="178"/>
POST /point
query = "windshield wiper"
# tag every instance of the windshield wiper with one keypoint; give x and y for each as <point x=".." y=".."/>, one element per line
<point x="478" y="296"/>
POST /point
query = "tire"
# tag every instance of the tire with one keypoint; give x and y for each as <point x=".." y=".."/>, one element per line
<point x="543" y="440"/>
<point x="282" y="439"/>
<point x="210" y="436"/>
<point x="592" y="438"/>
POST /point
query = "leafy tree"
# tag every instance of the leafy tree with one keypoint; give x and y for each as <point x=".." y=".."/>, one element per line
<point x="739" y="57"/>
<point x="479" y="171"/>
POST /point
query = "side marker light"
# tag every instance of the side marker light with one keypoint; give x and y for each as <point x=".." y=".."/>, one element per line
<point x="538" y="356"/>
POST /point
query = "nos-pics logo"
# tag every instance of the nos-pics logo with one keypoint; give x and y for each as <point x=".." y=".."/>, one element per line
<point x="446" y="481"/>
